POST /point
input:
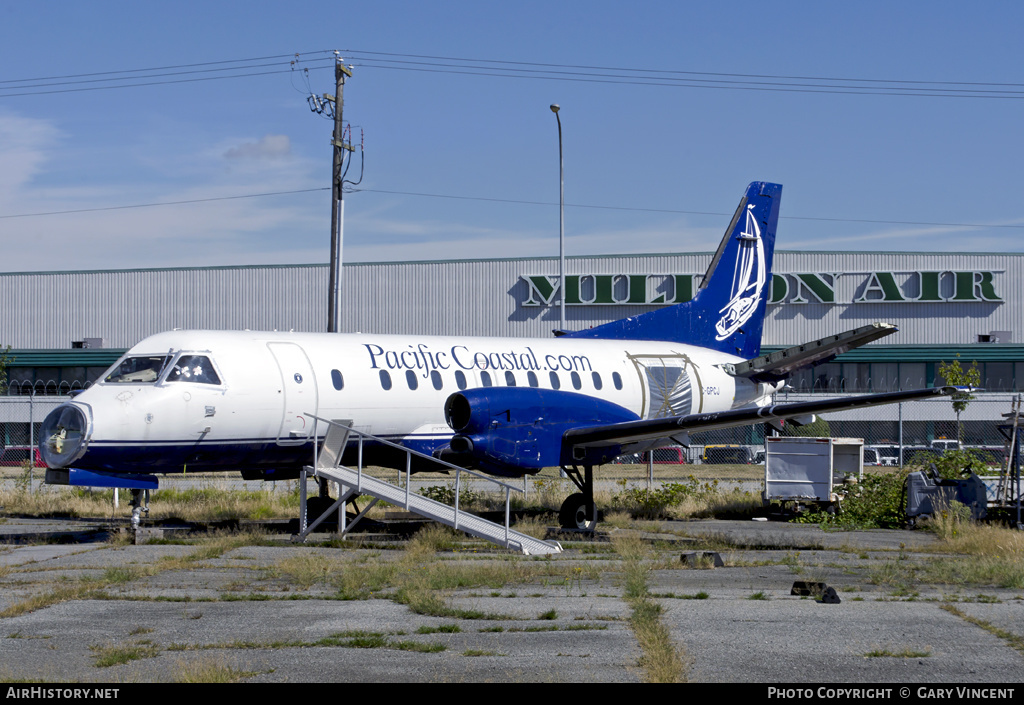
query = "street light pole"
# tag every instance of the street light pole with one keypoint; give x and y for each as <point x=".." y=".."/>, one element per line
<point x="561" y="222"/>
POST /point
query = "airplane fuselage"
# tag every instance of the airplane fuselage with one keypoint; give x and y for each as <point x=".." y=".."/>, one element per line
<point x="219" y="400"/>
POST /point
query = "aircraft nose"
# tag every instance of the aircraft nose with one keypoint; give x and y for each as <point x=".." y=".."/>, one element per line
<point x="63" y="436"/>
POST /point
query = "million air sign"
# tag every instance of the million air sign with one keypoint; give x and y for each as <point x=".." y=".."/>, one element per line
<point x="787" y="288"/>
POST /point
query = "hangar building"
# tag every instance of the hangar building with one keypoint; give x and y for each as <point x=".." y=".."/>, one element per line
<point x="66" y="328"/>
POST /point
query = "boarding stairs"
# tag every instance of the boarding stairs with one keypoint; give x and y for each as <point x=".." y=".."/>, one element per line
<point x="352" y="482"/>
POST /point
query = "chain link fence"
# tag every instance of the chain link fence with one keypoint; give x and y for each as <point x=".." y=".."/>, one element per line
<point x="894" y="435"/>
<point x="20" y="420"/>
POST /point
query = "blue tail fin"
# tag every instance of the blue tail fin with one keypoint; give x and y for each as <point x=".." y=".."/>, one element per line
<point x="727" y="312"/>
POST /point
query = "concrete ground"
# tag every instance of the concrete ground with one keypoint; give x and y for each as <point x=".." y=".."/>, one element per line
<point x="244" y="609"/>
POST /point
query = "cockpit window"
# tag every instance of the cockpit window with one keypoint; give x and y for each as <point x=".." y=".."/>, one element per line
<point x="138" y="370"/>
<point x="193" y="368"/>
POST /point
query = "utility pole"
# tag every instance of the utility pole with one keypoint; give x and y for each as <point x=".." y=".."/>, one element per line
<point x="337" y="197"/>
<point x="333" y="105"/>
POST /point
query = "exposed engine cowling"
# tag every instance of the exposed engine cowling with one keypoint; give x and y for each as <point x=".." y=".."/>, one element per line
<point x="509" y="430"/>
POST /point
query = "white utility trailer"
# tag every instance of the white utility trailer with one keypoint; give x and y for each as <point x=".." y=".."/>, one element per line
<point x="809" y="471"/>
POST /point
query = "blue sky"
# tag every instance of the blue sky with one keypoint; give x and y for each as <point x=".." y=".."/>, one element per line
<point x="658" y="167"/>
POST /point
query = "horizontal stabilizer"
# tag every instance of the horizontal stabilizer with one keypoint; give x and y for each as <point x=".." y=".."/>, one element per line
<point x="780" y="365"/>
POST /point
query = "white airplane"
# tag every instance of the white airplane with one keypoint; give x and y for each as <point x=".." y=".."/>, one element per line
<point x="197" y="400"/>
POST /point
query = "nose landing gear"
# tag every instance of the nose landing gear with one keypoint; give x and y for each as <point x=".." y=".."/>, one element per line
<point x="140" y="504"/>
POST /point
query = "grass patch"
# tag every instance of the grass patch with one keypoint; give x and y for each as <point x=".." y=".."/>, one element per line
<point x="1012" y="640"/>
<point x="92" y="587"/>
<point x="902" y="653"/>
<point x="987" y="555"/>
<point x="117" y="654"/>
<point x="759" y="595"/>
<point x="673" y="596"/>
<point x="443" y="629"/>
<point x="370" y="641"/>
<point x="307" y="569"/>
<point x="661" y="660"/>
<point x="211" y="503"/>
<point x="535" y="527"/>
<point x="423" y="582"/>
<point x="52" y="597"/>
<point x="418" y="646"/>
<point x="208" y="671"/>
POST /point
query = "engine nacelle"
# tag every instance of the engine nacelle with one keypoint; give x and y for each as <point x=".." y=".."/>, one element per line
<point x="506" y="430"/>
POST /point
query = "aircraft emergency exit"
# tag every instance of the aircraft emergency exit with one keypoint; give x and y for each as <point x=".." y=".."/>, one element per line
<point x="225" y="400"/>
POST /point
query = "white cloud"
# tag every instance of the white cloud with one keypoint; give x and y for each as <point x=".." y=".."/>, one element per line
<point x="25" y="146"/>
<point x="106" y="235"/>
<point x="268" y="147"/>
<point x="922" y="238"/>
<point x="460" y="242"/>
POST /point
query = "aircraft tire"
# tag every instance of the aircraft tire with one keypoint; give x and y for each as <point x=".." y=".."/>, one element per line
<point x="573" y="514"/>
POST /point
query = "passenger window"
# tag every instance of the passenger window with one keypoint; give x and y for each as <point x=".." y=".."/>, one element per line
<point x="385" y="380"/>
<point x="555" y="382"/>
<point x="617" y="380"/>
<point x="531" y="377"/>
<point x="410" y="379"/>
<point x="460" y="379"/>
<point x="510" y="379"/>
<point x="577" y="383"/>
<point x="435" y="378"/>
<point x="193" y="368"/>
<point x="485" y="379"/>
<point x="597" y="381"/>
<point x="337" y="380"/>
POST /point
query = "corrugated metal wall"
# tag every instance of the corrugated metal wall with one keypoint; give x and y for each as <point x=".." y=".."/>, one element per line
<point x="481" y="297"/>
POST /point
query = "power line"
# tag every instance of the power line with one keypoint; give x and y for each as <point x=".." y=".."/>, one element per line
<point x="685" y="212"/>
<point x="690" y="82"/>
<point x="154" y="68"/>
<point x="674" y="71"/>
<point x="164" y="203"/>
<point x="504" y="200"/>
<point x="321" y="60"/>
<point x="136" y="78"/>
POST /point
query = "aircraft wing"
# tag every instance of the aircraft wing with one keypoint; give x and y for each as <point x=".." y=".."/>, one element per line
<point x="675" y="428"/>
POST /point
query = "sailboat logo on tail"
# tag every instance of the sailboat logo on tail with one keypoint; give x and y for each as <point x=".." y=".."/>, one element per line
<point x="747" y="282"/>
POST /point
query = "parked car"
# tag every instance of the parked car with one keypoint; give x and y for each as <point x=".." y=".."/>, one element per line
<point x="13" y="456"/>
<point x="888" y="455"/>
<point x="668" y="456"/>
<point x="662" y="456"/>
<point x="727" y="454"/>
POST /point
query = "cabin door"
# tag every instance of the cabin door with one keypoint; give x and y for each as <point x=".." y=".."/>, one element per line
<point x="298" y="392"/>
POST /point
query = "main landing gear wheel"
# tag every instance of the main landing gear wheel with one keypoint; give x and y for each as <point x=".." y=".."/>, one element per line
<point x="576" y="514"/>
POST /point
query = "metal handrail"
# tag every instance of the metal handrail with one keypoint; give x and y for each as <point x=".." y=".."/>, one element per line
<point x="408" y="467"/>
<point x="409" y="451"/>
